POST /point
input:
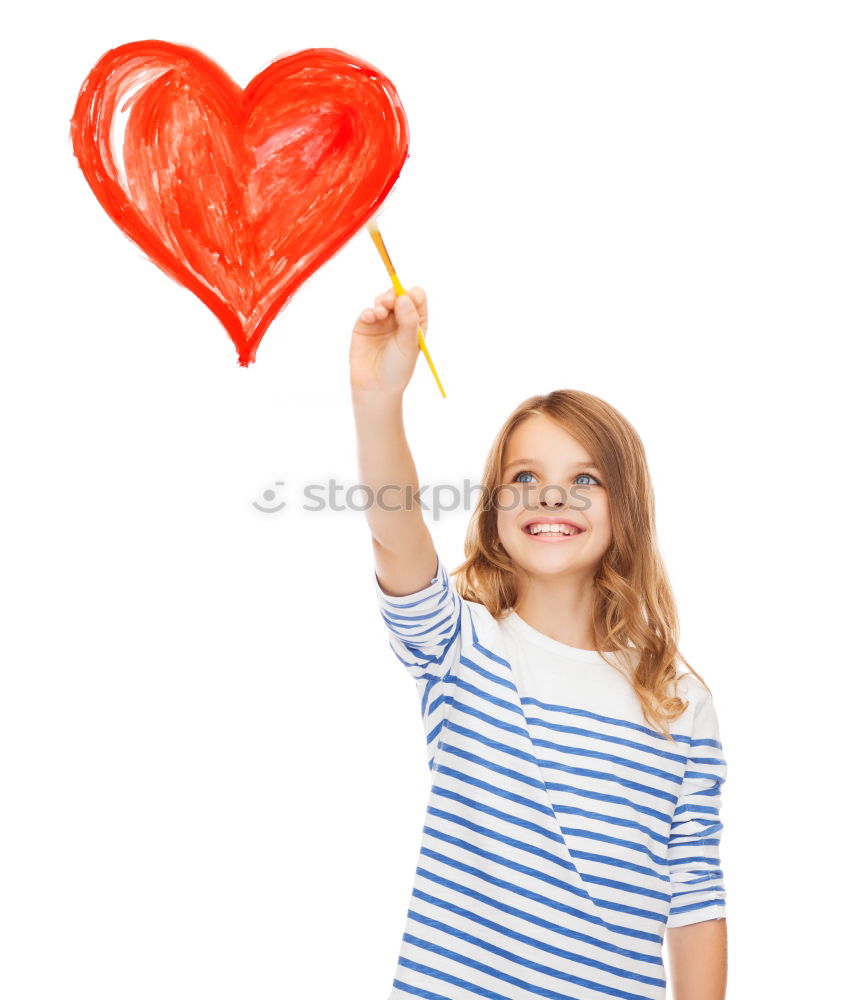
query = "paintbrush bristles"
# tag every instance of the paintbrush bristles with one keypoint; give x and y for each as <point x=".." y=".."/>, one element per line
<point x="379" y="243"/>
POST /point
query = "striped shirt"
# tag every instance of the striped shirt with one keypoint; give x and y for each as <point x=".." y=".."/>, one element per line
<point x="562" y="834"/>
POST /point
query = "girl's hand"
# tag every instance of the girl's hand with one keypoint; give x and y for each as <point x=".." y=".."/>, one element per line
<point x="384" y="344"/>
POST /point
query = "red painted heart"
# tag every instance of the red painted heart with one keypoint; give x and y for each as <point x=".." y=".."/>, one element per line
<point x="239" y="195"/>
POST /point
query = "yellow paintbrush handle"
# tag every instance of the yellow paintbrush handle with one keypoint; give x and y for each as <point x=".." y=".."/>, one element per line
<point x="424" y="348"/>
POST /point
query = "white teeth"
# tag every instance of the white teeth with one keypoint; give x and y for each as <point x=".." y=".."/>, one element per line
<point x="557" y="529"/>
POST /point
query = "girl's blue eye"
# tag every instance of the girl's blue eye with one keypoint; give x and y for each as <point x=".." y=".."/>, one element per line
<point x="588" y="475"/>
<point x="525" y="473"/>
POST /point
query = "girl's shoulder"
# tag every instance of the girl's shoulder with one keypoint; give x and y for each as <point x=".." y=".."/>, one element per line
<point x="688" y="686"/>
<point x="698" y="698"/>
<point x="483" y="621"/>
<point x="482" y="627"/>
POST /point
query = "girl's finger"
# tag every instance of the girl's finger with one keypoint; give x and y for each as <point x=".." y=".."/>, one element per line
<point x="386" y="299"/>
<point x="368" y="316"/>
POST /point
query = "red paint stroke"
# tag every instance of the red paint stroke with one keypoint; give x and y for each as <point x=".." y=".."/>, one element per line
<point x="239" y="195"/>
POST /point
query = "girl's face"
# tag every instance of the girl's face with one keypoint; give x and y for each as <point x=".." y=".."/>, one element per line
<point x="548" y="476"/>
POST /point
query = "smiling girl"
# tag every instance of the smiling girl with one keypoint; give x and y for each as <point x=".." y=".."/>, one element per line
<point x="574" y="821"/>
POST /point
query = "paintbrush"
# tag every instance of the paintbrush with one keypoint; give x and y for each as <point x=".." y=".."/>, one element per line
<point x="374" y="232"/>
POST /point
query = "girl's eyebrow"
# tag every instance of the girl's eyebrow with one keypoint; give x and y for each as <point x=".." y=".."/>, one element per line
<point x="535" y="461"/>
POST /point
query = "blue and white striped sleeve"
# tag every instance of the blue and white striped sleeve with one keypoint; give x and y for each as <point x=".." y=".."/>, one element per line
<point x="697" y="881"/>
<point x="424" y="628"/>
<point x="425" y="634"/>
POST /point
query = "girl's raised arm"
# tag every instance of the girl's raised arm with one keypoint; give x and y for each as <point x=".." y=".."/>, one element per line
<point x="382" y="358"/>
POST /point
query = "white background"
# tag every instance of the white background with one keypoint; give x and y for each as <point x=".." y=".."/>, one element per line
<point x="213" y="767"/>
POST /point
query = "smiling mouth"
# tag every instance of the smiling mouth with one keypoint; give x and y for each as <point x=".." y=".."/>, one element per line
<point x="552" y="532"/>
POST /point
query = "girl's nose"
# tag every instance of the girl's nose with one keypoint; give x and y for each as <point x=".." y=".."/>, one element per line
<point x="553" y="496"/>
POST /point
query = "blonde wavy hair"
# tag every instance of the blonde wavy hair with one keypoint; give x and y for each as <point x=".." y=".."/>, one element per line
<point x="634" y="614"/>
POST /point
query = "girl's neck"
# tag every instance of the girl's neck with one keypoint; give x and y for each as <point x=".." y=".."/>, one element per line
<point x="559" y="608"/>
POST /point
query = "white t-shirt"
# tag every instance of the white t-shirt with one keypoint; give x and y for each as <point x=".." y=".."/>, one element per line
<point x="563" y="834"/>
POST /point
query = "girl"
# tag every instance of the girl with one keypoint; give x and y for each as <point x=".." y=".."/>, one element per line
<point x="573" y="820"/>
